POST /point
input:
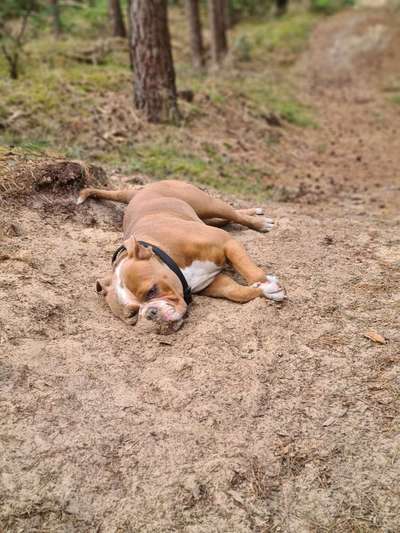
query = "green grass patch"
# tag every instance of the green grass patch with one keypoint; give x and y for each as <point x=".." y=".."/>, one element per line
<point x="289" y="108"/>
<point x="88" y="18"/>
<point x="167" y="161"/>
<point x="264" y="96"/>
<point x="396" y="99"/>
<point x="329" y="7"/>
<point x="287" y="34"/>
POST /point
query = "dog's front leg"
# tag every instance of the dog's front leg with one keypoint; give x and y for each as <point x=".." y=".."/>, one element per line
<point x="225" y="287"/>
<point x="255" y="276"/>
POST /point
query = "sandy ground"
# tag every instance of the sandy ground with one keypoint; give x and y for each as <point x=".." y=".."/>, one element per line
<point x="256" y="417"/>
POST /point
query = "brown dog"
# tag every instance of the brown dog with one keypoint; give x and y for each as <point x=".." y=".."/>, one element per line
<point x="172" y="246"/>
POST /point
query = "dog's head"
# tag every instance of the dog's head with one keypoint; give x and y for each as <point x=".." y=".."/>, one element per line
<point x="142" y="286"/>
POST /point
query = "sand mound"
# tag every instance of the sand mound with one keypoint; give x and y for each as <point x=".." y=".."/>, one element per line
<point x="23" y="173"/>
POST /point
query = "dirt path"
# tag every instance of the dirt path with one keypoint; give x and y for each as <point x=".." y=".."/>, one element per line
<point x="252" y="418"/>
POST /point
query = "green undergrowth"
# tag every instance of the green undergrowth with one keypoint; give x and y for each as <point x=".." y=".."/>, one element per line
<point x="288" y="34"/>
<point x="170" y="161"/>
<point x="329" y="7"/>
<point x="396" y="99"/>
<point x="71" y="89"/>
<point x="264" y="97"/>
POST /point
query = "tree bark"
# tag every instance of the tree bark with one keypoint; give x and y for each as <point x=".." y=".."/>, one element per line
<point x="55" y="8"/>
<point x="281" y="7"/>
<point x="129" y="6"/>
<point x="118" y="25"/>
<point x="154" y="74"/>
<point x="196" y="38"/>
<point x="228" y="14"/>
<point x="219" y="45"/>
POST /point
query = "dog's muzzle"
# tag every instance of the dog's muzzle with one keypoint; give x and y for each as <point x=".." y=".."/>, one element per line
<point x="167" y="318"/>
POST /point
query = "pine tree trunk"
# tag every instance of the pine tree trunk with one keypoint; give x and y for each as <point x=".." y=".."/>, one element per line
<point x="55" y="8"/>
<point x="129" y="7"/>
<point x="228" y="14"/>
<point x="196" y="38"/>
<point x="219" y="45"/>
<point x="14" y="73"/>
<point x="118" y="25"/>
<point x="154" y="74"/>
<point x="281" y="7"/>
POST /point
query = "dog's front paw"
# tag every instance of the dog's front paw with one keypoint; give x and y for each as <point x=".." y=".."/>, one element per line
<point x="264" y="224"/>
<point x="272" y="289"/>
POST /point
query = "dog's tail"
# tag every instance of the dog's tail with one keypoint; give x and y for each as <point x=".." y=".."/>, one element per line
<point x="124" y="195"/>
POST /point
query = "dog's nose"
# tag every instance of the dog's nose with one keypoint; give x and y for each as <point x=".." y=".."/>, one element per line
<point x="151" y="313"/>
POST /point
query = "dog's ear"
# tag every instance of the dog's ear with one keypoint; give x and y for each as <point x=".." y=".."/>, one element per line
<point x="137" y="250"/>
<point x="102" y="285"/>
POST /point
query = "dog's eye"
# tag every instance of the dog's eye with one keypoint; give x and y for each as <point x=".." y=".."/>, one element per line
<point x="152" y="292"/>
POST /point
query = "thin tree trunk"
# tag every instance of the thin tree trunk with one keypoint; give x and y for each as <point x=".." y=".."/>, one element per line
<point x="14" y="69"/>
<point x="12" y="56"/>
<point x="228" y="14"/>
<point x="219" y="45"/>
<point x="117" y="18"/>
<point x="281" y="7"/>
<point x="154" y="74"/>
<point x="129" y="5"/>
<point x="196" y="38"/>
<point x="57" y="27"/>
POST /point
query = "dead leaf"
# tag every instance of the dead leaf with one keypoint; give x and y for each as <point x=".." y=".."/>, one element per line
<point x="374" y="337"/>
<point x="329" y="421"/>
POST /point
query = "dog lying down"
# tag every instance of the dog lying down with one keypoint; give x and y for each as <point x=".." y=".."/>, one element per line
<point x="173" y="247"/>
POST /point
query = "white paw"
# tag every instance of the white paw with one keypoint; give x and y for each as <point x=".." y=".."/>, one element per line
<point x="259" y="211"/>
<point x="80" y="200"/>
<point x="272" y="289"/>
<point x="266" y="225"/>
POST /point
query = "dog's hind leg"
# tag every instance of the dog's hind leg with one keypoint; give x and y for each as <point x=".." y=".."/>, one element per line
<point x="217" y="209"/>
<point x="213" y="210"/>
<point x="123" y="195"/>
<point x="220" y="222"/>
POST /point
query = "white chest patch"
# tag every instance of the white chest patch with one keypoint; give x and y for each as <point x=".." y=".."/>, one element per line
<point x="200" y="274"/>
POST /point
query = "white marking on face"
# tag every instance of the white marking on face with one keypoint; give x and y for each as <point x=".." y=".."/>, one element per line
<point x="200" y="274"/>
<point x="124" y="295"/>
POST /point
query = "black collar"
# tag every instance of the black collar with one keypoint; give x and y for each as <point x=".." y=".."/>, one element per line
<point x="165" y="258"/>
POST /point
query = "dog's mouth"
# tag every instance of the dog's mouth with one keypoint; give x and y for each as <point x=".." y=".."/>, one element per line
<point x="163" y="314"/>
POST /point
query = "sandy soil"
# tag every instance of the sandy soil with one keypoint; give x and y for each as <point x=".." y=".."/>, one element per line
<point x="259" y="417"/>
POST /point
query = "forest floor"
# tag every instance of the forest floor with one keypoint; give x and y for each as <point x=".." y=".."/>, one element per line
<point x="256" y="417"/>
